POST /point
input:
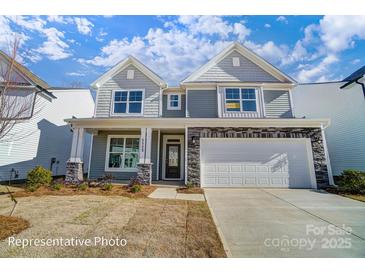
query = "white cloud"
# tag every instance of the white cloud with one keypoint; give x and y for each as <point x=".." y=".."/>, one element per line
<point x="53" y="47"/>
<point x="267" y="26"/>
<point x="84" y="26"/>
<point x="282" y="19"/>
<point x="241" y="31"/>
<point x="59" y="19"/>
<point x="317" y="72"/>
<point x="340" y="32"/>
<point x="101" y="35"/>
<point x="269" y="51"/>
<point x="355" y="61"/>
<point x="75" y="74"/>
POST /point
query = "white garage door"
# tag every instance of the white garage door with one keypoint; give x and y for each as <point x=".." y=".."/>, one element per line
<point x="232" y="162"/>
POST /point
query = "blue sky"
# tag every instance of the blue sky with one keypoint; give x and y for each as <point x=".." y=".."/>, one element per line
<point x="76" y="50"/>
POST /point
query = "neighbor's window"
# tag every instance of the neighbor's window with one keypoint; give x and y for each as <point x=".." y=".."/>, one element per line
<point x="127" y="102"/>
<point x="240" y="99"/>
<point x="174" y="102"/>
<point x="123" y="153"/>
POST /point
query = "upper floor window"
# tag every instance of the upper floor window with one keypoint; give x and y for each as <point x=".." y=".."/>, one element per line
<point x="173" y="101"/>
<point x="240" y="99"/>
<point x="128" y="102"/>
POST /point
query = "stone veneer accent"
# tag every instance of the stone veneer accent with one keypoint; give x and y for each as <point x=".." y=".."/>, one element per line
<point x="315" y="134"/>
<point x="144" y="173"/>
<point x="74" y="172"/>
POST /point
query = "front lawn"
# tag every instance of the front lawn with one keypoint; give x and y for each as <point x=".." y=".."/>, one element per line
<point x="152" y="227"/>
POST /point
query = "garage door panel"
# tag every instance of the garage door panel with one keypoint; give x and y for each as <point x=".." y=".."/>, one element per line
<point x="249" y="163"/>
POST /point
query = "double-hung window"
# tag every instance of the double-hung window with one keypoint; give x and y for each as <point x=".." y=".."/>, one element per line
<point x="122" y="153"/>
<point x="127" y="102"/>
<point x="174" y="102"/>
<point x="240" y="99"/>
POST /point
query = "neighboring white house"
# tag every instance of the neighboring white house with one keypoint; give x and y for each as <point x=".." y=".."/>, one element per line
<point x="346" y="108"/>
<point x="44" y="139"/>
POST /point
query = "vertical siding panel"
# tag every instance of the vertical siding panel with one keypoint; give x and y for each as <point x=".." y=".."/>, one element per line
<point x="202" y="104"/>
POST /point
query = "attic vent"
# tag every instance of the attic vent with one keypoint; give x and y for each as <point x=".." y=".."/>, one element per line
<point x="236" y="61"/>
<point x="130" y="74"/>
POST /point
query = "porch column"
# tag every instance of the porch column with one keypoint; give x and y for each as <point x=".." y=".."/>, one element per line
<point x="74" y="166"/>
<point x="145" y="165"/>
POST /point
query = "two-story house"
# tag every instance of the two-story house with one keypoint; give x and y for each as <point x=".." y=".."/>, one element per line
<point x="231" y="123"/>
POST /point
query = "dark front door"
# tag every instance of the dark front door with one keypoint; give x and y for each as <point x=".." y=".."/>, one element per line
<point x="173" y="161"/>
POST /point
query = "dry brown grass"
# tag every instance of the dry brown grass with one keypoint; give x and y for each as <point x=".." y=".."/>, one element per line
<point x="152" y="227"/>
<point x="10" y="225"/>
<point x="117" y="190"/>
<point x="190" y="190"/>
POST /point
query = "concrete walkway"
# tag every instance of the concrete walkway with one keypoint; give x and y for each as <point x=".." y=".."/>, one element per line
<point x="288" y="223"/>
<point x="171" y="193"/>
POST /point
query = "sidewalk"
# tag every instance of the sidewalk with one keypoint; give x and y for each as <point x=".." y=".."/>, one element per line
<point x="171" y="193"/>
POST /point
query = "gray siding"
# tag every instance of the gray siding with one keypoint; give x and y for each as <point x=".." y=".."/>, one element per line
<point x="202" y="104"/>
<point x="98" y="156"/>
<point x="119" y="81"/>
<point x="173" y="113"/>
<point x="248" y="71"/>
<point x="277" y="104"/>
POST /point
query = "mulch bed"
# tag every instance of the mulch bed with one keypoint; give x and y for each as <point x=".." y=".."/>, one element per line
<point x="190" y="190"/>
<point x="117" y="190"/>
<point x="358" y="197"/>
<point x="11" y="225"/>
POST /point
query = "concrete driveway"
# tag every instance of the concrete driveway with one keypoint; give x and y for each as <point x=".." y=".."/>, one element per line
<point x="288" y="223"/>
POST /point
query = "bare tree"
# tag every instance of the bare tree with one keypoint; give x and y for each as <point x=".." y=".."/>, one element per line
<point x="14" y="106"/>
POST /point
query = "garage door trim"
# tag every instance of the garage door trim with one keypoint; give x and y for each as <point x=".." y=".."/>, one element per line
<point x="306" y="141"/>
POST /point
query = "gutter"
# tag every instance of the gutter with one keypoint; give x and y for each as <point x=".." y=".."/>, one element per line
<point x="356" y="80"/>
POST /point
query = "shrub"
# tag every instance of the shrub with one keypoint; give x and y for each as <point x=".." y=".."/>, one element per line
<point x="83" y="186"/>
<point x="57" y="186"/>
<point x="352" y="181"/>
<point x="189" y="185"/>
<point x="37" y="177"/>
<point x="107" y="186"/>
<point x="32" y="188"/>
<point x="135" y="181"/>
<point x="136" y="188"/>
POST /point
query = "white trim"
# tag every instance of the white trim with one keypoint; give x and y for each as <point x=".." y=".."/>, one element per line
<point x="96" y="101"/>
<point x="158" y="155"/>
<point x="124" y="64"/>
<point x="258" y="108"/>
<point x="182" y="155"/>
<point x="186" y="103"/>
<point x="219" y="102"/>
<point x="107" y="154"/>
<point x="112" y="113"/>
<point x="263" y="102"/>
<point x="328" y="162"/>
<point x="169" y="107"/>
<point x="291" y="102"/>
<point x="307" y="142"/>
<point x="180" y="123"/>
<point x="90" y="153"/>
<point x="212" y="85"/>
<point x="186" y="156"/>
<point x="250" y="55"/>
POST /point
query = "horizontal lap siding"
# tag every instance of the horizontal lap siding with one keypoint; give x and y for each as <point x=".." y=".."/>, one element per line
<point x="119" y="81"/>
<point x="277" y="104"/>
<point x="98" y="155"/>
<point x="173" y="113"/>
<point x="246" y="72"/>
<point x="202" y="104"/>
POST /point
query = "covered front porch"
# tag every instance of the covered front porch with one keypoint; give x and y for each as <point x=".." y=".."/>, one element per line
<point x="154" y="155"/>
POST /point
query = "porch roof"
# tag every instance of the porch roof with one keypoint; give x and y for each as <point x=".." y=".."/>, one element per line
<point x="133" y="123"/>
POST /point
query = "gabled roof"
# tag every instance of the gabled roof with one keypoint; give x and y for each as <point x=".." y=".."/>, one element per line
<point x="250" y="55"/>
<point x="130" y="60"/>
<point x="26" y="72"/>
<point x="355" y="75"/>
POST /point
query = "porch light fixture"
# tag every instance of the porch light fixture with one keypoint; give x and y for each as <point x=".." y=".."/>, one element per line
<point x="193" y="139"/>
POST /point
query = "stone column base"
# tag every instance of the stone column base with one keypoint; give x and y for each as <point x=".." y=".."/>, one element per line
<point x="144" y="173"/>
<point x="74" y="172"/>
